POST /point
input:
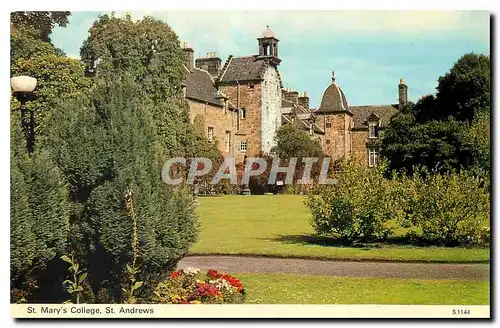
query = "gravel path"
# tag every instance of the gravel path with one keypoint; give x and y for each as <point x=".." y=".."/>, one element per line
<point x="243" y="264"/>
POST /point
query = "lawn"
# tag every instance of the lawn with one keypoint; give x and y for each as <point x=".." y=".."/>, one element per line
<point x="293" y="289"/>
<point x="278" y="225"/>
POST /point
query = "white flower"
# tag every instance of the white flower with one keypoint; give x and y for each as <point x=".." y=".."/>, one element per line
<point x="191" y="270"/>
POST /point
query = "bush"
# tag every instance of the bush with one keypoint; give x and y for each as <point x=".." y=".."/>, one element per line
<point x="106" y="144"/>
<point x="39" y="208"/>
<point x="357" y="207"/>
<point x="447" y="209"/>
<point x="190" y="286"/>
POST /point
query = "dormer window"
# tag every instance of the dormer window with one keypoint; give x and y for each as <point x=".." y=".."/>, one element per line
<point x="373" y="125"/>
<point x="373" y="129"/>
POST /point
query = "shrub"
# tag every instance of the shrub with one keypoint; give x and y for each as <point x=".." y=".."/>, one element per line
<point x="106" y="144"/>
<point x="190" y="286"/>
<point x="357" y="207"/>
<point x="39" y="207"/>
<point x="447" y="209"/>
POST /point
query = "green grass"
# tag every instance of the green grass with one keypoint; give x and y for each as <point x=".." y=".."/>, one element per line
<point x="294" y="289"/>
<point x="279" y="226"/>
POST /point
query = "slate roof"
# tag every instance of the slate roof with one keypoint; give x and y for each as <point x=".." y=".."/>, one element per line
<point x="333" y="100"/>
<point x="244" y="69"/>
<point x="290" y="109"/>
<point x="200" y="86"/>
<point x="362" y="113"/>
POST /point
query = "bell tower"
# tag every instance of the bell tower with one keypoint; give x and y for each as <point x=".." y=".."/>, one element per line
<point x="268" y="46"/>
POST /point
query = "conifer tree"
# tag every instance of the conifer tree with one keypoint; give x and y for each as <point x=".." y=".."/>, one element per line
<point x="106" y="144"/>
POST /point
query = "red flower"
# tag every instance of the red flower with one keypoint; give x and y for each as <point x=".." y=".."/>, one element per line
<point x="175" y="274"/>
<point x="213" y="274"/>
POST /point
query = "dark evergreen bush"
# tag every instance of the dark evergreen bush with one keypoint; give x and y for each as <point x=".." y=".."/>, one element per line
<point x="106" y="144"/>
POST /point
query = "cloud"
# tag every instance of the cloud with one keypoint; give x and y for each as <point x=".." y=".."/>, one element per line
<point x="323" y="22"/>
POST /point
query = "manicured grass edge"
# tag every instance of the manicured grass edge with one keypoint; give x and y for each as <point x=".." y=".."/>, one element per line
<point x="335" y="259"/>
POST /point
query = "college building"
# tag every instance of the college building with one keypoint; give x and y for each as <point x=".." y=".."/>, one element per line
<point x="241" y="103"/>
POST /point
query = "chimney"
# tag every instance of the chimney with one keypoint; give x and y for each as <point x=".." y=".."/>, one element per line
<point x="188" y="55"/>
<point x="292" y="95"/>
<point x="403" y="93"/>
<point x="304" y="100"/>
<point x="211" y="63"/>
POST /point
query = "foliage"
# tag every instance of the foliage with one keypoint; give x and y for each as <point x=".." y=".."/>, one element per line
<point x="150" y="52"/>
<point x="292" y="141"/>
<point x="447" y="209"/>
<point x="74" y="287"/>
<point x="189" y="286"/>
<point x="39" y="217"/>
<point x="437" y="145"/>
<point x="41" y="23"/>
<point x="358" y="207"/>
<point x="447" y="131"/>
<point x="106" y="143"/>
<point x="465" y="89"/>
<point x="57" y="78"/>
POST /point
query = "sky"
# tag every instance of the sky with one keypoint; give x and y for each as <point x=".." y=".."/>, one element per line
<point x="368" y="50"/>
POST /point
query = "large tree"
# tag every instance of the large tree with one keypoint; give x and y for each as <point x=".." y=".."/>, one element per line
<point x="446" y="131"/>
<point x="148" y="50"/>
<point x="40" y="23"/>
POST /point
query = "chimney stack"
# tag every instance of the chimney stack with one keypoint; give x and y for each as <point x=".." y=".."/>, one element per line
<point x="292" y="95"/>
<point x="211" y="63"/>
<point x="304" y="100"/>
<point x="403" y="93"/>
<point x="188" y="55"/>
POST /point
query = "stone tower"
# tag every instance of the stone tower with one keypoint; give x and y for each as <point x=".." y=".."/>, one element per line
<point x="335" y="117"/>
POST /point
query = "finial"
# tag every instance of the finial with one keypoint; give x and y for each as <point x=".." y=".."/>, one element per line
<point x="333" y="76"/>
<point x="401" y="81"/>
<point x="267" y="27"/>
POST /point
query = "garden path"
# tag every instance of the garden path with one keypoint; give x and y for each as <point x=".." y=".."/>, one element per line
<point x="246" y="264"/>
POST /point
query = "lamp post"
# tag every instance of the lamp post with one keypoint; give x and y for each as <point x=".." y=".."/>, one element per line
<point x="23" y="87"/>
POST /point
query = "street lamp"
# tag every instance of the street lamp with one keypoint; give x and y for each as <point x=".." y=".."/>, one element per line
<point x="23" y="87"/>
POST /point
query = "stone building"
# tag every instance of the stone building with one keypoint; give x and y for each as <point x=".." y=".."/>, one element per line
<point x="354" y="132"/>
<point x="242" y="103"/>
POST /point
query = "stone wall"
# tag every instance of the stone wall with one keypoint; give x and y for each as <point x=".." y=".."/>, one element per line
<point x="250" y="126"/>
<point x="337" y="139"/>
<point x="220" y="120"/>
<point x="271" y="108"/>
<point x="359" y="150"/>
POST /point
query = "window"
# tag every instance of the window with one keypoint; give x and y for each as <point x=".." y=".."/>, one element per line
<point x="228" y="141"/>
<point x="250" y="87"/>
<point x="372" y="157"/>
<point x="210" y="134"/>
<point x="243" y="113"/>
<point x="372" y="129"/>
<point x="243" y="145"/>
<point x="311" y="129"/>
<point x="328" y="124"/>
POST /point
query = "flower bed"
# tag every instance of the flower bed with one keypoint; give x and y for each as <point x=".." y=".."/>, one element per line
<point x="191" y="286"/>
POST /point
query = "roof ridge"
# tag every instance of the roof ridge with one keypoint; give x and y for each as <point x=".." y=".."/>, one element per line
<point x="206" y="72"/>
